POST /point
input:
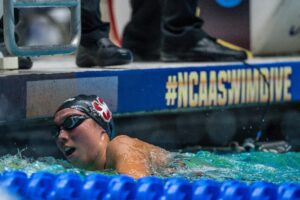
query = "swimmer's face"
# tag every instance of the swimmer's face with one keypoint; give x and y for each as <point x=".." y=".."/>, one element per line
<point x="82" y="141"/>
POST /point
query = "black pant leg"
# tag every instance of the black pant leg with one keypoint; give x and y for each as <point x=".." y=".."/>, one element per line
<point x="181" y="27"/>
<point x="142" y="35"/>
<point x="92" y="27"/>
<point x="1" y="31"/>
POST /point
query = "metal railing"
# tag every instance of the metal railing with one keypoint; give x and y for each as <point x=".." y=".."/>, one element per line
<point x="13" y="48"/>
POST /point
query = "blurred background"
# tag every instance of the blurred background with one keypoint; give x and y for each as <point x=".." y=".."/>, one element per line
<point x="269" y="28"/>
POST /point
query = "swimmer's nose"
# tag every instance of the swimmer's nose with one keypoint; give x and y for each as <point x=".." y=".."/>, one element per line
<point x="63" y="136"/>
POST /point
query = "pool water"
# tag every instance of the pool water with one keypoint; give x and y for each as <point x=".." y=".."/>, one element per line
<point x="247" y="167"/>
<point x="45" y="164"/>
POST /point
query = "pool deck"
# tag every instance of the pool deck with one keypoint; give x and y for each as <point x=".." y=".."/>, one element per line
<point x="53" y="64"/>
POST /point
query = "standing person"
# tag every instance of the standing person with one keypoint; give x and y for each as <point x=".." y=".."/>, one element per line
<point x="85" y="135"/>
<point x="170" y="30"/>
<point x="95" y="48"/>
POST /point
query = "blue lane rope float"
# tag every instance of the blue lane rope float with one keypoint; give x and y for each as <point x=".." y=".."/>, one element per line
<point x="71" y="186"/>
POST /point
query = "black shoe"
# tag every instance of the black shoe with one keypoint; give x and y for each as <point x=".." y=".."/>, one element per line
<point x="25" y="62"/>
<point x="206" y="49"/>
<point x="104" y="53"/>
<point x="149" y="57"/>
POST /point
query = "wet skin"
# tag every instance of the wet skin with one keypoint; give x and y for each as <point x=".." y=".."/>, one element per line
<point x="88" y="146"/>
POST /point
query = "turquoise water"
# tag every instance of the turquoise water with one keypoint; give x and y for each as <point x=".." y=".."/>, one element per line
<point x="248" y="167"/>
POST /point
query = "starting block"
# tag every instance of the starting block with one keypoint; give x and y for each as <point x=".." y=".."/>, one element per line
<point x="9" y="28"/>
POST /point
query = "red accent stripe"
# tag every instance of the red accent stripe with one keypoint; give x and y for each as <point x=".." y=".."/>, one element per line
<point x="113" y="25"/>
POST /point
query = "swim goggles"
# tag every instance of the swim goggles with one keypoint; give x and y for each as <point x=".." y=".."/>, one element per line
<point x="69" y="123"/>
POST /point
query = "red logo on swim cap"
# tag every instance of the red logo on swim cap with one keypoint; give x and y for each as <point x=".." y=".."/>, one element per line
<point x="102" y="109"/>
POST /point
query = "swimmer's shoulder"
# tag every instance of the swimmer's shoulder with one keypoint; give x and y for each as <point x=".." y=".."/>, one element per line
<point x="125" y="140"/>
<point x="117" y="141"/>
<point x="120" y="140"/>
<point x="115" y="148"/>
<point x="119" y="144"/>
<point x="127" y="143"/>
<point x="122" y="147"/>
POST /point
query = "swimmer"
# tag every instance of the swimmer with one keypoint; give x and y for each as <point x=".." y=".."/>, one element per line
<point x="86" y="137"/>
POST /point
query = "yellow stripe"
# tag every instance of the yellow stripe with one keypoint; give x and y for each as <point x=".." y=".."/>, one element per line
<point x="235" y="47"/>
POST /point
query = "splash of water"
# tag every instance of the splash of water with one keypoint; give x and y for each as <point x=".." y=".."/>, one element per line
<point x="46" y="164"/>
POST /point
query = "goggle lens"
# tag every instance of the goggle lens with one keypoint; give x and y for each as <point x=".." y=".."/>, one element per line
<point x="70" y="123"/>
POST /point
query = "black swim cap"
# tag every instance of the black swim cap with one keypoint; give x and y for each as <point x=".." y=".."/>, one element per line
<point x="94" y="107"/>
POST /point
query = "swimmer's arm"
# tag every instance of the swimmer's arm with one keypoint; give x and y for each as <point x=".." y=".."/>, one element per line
<point x="127" y="160"/>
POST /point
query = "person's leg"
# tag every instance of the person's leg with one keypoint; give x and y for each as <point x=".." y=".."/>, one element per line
<point x="142" y="35"/>
<point x="180" y="23"/>
<point x="95" y="47"/>
<point x="92" y="28"/>
<point x="183" y="37"/>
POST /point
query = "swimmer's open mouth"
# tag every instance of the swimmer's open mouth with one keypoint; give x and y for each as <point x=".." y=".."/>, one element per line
<point x="69" y="151"/>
